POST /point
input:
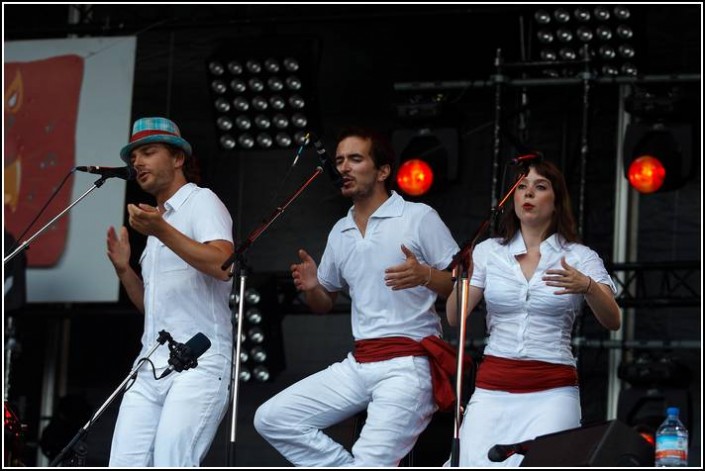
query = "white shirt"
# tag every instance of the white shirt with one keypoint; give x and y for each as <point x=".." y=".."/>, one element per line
<point x="177" y="297"/>
<point x="357" y="263"/>
<point x="525" y="319"/>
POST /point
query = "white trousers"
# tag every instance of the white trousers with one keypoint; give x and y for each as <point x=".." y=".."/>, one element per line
<point x="503" y="418"/>
<point x="398" y="397"/>
<point x="171" y="422"/>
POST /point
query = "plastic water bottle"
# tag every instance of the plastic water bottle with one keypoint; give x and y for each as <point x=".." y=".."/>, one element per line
<point x="672" y="441"/>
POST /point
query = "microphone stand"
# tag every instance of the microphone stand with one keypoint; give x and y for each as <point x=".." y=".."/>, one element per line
<point x="75" y="441"/>
<point x="238" y="258"/>
<point x="98" y="183"/>
<point x="462" y="262"/>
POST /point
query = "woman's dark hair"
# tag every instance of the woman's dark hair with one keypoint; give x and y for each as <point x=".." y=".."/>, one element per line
<point x="382" y="151"/>
<point x="562" y="221"/>
<point x="192" y="170"/>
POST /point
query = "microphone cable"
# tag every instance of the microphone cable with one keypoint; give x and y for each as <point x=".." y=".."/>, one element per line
<point x="289" y="171"/>
<point x="46" y="205"/>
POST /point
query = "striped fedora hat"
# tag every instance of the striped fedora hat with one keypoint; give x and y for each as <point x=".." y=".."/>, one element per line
<point x="149" y="130"/>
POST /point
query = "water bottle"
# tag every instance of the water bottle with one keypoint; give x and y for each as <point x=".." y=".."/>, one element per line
<point x="672" y="441"/>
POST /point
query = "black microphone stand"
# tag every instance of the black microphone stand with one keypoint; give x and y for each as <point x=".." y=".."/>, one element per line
<point x="462" y="262"/>
<point x="239" y="260"/>
<point x="76" y="440"/>
<point x="24" y="245"/>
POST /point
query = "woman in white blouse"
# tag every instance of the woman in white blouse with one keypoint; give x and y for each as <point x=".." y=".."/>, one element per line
<point x="534" y="278"/>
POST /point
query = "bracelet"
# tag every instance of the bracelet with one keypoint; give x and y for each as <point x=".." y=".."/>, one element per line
<point x="430" y="271"/>
<point x="587" y="290"/>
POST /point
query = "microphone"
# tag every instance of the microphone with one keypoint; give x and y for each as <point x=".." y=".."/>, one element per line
<point x="499" y="453"/>
<point x="184" y="356"/>
<point x="327" y="163"/>
<point x="526" y="158"/>
<point x="126" y="173"/>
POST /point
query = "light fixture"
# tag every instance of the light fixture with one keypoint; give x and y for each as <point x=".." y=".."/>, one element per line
<point x="428" y="159"/>
<point x="414" y="177"/>
<point x="658" y="143"/>
<point x="252" y="296"/>
<point x="261" y="373"/>
<point x="262" y="351"/>
<point x="254" y="315"/>
<point x="563" y="34"/>
<point x="266" y="89"/>
<point x="655" y="383"/>
<point x="657" y="156"/>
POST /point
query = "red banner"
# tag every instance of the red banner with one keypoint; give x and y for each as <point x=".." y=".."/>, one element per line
<point x="41" y="108"/>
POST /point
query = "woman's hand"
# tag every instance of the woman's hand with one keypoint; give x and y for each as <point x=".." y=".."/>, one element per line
<point x="568" y="278"/>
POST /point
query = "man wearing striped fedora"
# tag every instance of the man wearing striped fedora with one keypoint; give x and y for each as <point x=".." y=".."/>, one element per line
<point x="182" y="290"/>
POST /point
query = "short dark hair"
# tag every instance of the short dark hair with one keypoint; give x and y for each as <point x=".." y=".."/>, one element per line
<point x="191" y="169"/>
<point x="562" y="221"/>
<point x="382" y="150"/>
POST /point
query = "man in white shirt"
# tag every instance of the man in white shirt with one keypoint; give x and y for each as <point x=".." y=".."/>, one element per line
<point x="172" y="422"/>
<point x="389" y="254"/>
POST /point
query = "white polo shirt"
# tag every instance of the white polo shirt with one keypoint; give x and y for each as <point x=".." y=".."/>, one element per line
<point x="177" y="297"/>
<point x="525" y="319"/>
<point x="357" y="263"/>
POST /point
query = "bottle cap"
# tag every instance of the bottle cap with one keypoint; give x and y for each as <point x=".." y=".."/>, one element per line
<point x="672" y="411"/>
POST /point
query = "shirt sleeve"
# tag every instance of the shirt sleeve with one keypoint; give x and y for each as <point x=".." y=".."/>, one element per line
<point x="329" y="275"/>
<point x="479" y="264"/>
<point x="211" y="220"/>
<point x="437" y="244"/>
<point x="592" y="265"/>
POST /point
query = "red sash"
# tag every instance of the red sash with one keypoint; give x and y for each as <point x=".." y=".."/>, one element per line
<point x="522" y="376"/>
<point x="441" y="355"/>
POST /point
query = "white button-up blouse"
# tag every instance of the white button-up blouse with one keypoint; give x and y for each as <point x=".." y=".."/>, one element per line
<point x="526" y="319"/>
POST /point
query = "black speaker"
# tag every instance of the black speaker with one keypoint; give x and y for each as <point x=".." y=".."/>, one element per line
<point x="607" y="444"/>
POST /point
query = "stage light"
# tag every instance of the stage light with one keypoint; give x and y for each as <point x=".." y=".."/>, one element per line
<point x="254" y="82"/>
<point x="561" y="15"/>
<point x="646" y="174"/>
<point x="255" y="335"/>
<point x="227" y="141"/>
<point x="585" y="34"/>
<point x="216" y="68"/>
<point x="428" y="159"/>
<point x="542" y="17"/>
<point x="261" y="373"/>
<point x="658" y="142"/>
<point x="233" y="300"/>
<point x="654" y="384"/>
<point x="245" y="374"/>
<point x="657" y="156"/>
<point x="604" y="32"/>
<point x="246" y="141"/>
<point x="414" y="177"/>
<point x="545" y="36"/>
<point x="264" y="140"/>
<point x="222" y="105"/>
<point x="218" y="86"/>
<point x="622" y="12"/>
<point x="258" y="354"/>
<point x="601" y="13"/>
<point x="224" y="123"/>
<point x="254" y="315"/>
<point x="262" y="343"/>
<point x="252" y="296"/>
<point x="283" y="139"/>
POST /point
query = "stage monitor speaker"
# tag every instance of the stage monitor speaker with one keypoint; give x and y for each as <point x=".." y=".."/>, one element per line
<point x="608" y="444"/>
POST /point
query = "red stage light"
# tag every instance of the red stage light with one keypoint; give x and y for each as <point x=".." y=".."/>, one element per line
<point x="646" y="174"/>
<point x="415" y="177"/>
